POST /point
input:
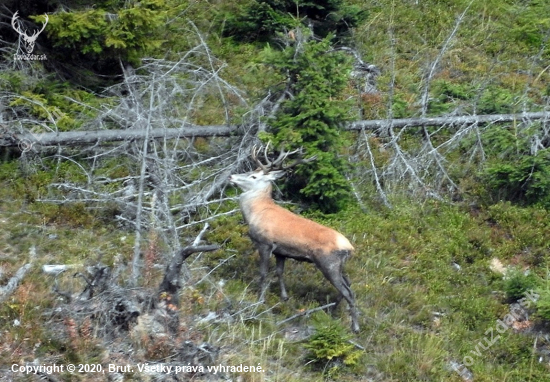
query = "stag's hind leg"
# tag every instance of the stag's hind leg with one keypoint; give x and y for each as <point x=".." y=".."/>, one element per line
<point x="347" y="293"/>
<point x="332" y="269"/>
<point x="341" y="296"/>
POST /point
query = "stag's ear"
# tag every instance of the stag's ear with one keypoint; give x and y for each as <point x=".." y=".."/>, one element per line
<point x="273" y="175"/>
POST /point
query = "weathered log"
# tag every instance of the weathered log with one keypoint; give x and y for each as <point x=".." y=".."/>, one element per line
<point x="447" y="121"/>
<point x="75" y="138"/>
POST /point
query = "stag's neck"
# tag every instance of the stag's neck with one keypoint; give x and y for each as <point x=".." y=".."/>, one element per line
<point x="250" y="200"/>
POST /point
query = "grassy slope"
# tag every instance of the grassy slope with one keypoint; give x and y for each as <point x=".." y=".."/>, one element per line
<point x="419" y="311"/>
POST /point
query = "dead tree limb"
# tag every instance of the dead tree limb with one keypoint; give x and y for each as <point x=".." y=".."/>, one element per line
<point x="76" y="138"/>
<point x="11" y="286"/>
<point x="171" y="282"/>
<point x="448" y="121"/>
<point x="307" y="312"/>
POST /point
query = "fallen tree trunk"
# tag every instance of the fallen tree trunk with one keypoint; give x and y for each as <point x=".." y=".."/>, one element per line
<point x="74" y="138"/>
<point x="448" y="121"/>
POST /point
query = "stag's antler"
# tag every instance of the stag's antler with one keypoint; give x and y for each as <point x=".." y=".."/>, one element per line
<point x="255" y="151"/>
<point x="277" y="164"/>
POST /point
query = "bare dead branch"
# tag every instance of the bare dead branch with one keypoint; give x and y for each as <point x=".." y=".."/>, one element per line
<point x="78" y="138"/>
<point x="375" y="170"/>
<point x="13" y="282"/>
<point x="429" y="77"/>
<point x="306" y="313"/>
<point x="137" y="243"/>
<point x="450" y="121"/>
<point x="200" y="235"/>
<point x="171" y="281"/>
<point x="11" y="286"/>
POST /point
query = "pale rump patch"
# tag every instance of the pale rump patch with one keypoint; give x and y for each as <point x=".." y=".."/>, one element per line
<point x="343" y="243"/>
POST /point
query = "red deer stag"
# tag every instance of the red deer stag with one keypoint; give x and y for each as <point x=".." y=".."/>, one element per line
<point x="275" y="230"/>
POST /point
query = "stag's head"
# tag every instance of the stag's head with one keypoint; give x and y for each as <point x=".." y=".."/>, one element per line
<point x="28" y="41"/>
<point x="261" y="178"/>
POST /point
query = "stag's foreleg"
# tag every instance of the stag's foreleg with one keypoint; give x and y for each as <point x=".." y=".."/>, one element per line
<point x="265" y="251"/>
<point x="280" y="270"/>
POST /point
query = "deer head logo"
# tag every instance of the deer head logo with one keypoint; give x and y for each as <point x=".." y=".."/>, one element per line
<point x="28" y="41"/>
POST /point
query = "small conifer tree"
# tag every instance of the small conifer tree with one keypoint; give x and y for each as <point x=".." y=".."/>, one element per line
<point x="311" y="118"/>
<point x="262" y="20"/>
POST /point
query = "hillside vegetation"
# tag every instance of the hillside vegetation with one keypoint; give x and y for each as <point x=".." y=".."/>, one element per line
<point x="450" y="224"/>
